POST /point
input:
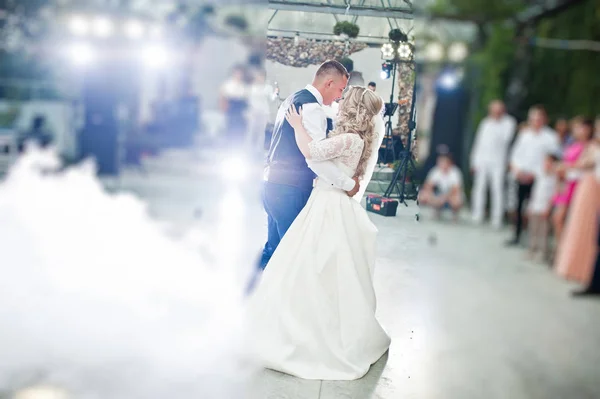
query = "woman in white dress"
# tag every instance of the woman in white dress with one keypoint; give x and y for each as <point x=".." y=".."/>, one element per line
<point x="313" y="312"/>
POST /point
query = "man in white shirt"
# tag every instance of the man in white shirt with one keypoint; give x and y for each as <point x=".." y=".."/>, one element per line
<point x="443" y="187"/>
<point x="488" y="161"/>
<point x="527" y="159"/>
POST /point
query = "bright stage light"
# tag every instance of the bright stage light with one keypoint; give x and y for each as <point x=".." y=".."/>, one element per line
<point x="404" y="51"/>
<point x="79" y="26"/>
<point x="103" y="27"/>
<point x="457" y="52"/>
<point x="155" y="56"/>
<point x="387" y="51"/>
<point x="449" y="80"/>
<point x="434" y="52"/>
<point x="81" y="53"/>
<point x="41" y="392"/>
<point x="134" y="29"/>
<point x="386" y="70"/>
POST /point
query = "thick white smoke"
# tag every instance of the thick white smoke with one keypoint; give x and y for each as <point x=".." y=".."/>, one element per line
<point x="96" y="300"/>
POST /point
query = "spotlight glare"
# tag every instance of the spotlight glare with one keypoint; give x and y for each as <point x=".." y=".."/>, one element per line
<point x="103" y="27"/>
<point x="457" y="52"/>
<point x="41" y="392"/>
<point x="155" y="56"/>
<point x="386" y="70"/>
<point x="79" y="26"/>
<point x="134" y="29"/>
<point x="449" y="80"/>
<point x="404" y="51"/>
<point x="387" y="51"/>
<point x="434" y="52"/>
<point x="81" y="54"/>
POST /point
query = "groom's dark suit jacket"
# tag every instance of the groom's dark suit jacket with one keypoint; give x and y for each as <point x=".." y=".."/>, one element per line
<point x="285" y="163"/>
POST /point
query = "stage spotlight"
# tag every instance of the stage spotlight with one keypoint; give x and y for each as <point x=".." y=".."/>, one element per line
<point x="81" y="54"/>
<point x="457" y="52"/>
<point x="404" y="51"/>
<point x="386" y="70"/>
<point x="41" y="392"/>
<point x="155" y="56"/>
<point x="449" y="80"/>
<point x="134" y="29"/>
<point x="79" y="26"/>
<point x="434" y="52"/>
<point x="387" y="51"/>
<point x="103" y="27"/>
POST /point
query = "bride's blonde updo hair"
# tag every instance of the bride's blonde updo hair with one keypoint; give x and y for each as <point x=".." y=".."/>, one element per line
<point x="355" y="116"/>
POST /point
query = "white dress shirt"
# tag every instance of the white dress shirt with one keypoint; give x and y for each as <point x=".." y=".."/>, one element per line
<point x="491" y="142"/>
<point x="531" y="148"/>
<point x="260" y="98"/>
<point x="446" y="181"/>
<point x="314" y="120"/>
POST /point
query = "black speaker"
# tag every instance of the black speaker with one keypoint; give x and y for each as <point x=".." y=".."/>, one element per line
<point x="99" y="138"/>
<point x="448" y="126"/>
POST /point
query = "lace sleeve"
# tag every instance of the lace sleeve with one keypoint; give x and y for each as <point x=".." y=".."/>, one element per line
<point x="331" y="148"/>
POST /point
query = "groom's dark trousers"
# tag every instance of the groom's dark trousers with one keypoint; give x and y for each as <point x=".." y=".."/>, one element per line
<point x="288" y="179"/>
<point x="282" y="204"/>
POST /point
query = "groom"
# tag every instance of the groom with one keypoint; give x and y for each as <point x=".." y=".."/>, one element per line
<point x="288" y="175"/>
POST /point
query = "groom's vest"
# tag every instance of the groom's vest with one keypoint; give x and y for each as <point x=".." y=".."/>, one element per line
<point x="285" y="163"/>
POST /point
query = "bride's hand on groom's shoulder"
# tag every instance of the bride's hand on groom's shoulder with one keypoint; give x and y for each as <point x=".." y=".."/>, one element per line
<point x="294" y="116"/>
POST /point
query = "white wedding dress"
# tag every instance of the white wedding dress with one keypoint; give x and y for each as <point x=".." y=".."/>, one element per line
<point x="312" y="314"/>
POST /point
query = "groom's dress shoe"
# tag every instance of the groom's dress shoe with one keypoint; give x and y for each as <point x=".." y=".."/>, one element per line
<point x="585" y="293"/>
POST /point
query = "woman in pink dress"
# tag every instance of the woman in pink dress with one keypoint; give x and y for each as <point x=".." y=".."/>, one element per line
<point x="578" y="249"/>
<point x="583" y="132"/>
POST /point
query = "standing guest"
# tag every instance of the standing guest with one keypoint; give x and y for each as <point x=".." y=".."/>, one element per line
<point x="372" y="86"/>
<point x="488" y="161"/>
<point x="512" y="186"/>
<point x="540" y="207"/>
<point x="583" y="133"/>
<point x="563" y="128"/>
<point x="527" y="160"/>
<point x="234" y="102"/>
<point x="578" y="248"/>
<point x="443" y="188"/>
<point x="261" y="95"/>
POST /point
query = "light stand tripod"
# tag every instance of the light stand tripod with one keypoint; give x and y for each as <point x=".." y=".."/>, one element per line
<point x="406" y="158"/>
<point x="390" y="147"/>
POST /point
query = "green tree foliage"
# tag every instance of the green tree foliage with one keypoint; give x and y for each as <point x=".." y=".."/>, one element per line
<point x="493" y="63"/>
<point x="477" y="10"/>
<point x="567" y="82"/>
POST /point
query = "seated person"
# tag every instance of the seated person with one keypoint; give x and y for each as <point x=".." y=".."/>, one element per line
<point x="443" y="188"/>
<point x="37" y="133"/>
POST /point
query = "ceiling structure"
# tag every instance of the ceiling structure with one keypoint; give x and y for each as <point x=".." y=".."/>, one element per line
<point x="315" y="18"/>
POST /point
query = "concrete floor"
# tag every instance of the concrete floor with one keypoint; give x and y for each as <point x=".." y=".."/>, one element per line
<point x="468" y="318"/>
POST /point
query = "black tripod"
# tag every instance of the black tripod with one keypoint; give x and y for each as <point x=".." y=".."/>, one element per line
<point x="398" y="182"/>
<point x="389" y="155"/>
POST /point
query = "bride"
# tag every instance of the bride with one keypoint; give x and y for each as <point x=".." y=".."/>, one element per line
<point x="313" y="312"/>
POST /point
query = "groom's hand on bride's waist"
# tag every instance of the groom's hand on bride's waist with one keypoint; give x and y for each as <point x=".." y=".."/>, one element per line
<point x="353" y="192"/>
